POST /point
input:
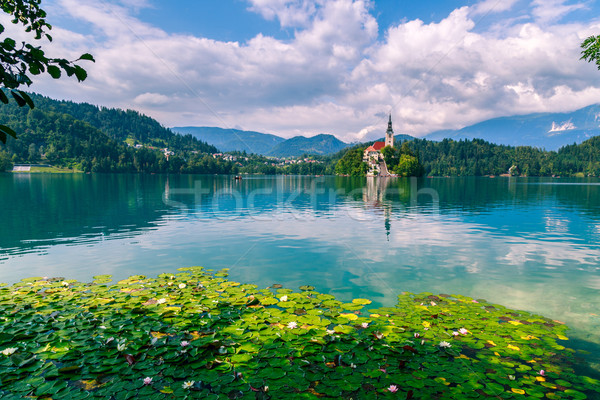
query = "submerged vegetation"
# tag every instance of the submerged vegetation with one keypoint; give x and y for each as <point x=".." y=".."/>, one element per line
<point x="198" y="335"/>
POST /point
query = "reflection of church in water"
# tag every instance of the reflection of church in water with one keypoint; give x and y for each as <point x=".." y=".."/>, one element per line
<point x="374" y="198"/>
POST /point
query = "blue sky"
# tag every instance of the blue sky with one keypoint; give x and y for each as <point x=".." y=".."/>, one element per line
<point x="304" y="67"/>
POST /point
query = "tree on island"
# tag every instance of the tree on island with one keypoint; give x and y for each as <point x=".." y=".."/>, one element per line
<point x="19" y="61"/>
<point x="402" y="161"/>
<point x="351" y="163"/>
<point x="591" y="50"/>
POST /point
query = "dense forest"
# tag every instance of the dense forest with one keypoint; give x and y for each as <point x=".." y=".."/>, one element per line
<point x="477" y="158"/>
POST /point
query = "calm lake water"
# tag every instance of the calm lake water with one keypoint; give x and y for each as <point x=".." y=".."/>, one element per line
<point x="526" y="243"/>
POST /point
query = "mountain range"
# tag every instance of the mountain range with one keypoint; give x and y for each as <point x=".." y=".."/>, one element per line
<point x="549" y="131"/>
<point x="264" y="143"/>
<point x="233" y="139"/>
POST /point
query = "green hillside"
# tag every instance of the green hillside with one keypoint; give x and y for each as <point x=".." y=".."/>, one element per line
<point x="477" y="157"/>
<point x="98" y="139"/>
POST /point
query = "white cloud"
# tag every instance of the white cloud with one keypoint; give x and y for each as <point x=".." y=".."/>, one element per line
<point x="548" y="11"/>
<point x="336" y="75"/>
<point x="290" y="13"/>
<point x="493" y="6"/>
<point x="151" y="99"/>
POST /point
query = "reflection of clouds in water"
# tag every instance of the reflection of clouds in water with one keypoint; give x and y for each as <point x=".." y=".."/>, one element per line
<point x="593" y="282"/>
<point x="551" y="253"/>
<point x="412" y="236"/>
<point x="556" y="225"/>
<point x="474" y="268"/>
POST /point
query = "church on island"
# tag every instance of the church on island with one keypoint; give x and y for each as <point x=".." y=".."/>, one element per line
<point x="373" y="157"/>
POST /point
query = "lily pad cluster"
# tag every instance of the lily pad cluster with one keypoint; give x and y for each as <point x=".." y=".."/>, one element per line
<point x="195" y="334"/>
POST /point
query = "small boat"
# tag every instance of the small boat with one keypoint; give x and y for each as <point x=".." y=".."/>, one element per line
<point x="238" y="177"/>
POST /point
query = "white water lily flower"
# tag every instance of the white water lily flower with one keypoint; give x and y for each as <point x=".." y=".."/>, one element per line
<point x="161" y="301"/>
<point x="330" y="331"/>
<point x="292" y="325"/>
<point x="445" y="344"/>
<point x="283" y="298"/>
<point x="182" y="286"/>
<point x="102" y="327"/>
<point x="9" y="350"/>
<point x="365" y="325"/>
<point x="188" y="384"/>
<point x="65" y="283"/>
<point x="121" y="346"/>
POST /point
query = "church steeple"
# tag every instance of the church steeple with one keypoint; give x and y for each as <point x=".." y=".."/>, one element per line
<point x="389" y="134"/>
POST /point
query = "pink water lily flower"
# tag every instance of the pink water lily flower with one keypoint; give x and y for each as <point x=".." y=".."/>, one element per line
<point x="184" y="343"/>
<point x="463" y="331"/>
<point x="393" y="388"/>
<point x="147" y="380"/>
<point x="542" y="372"/>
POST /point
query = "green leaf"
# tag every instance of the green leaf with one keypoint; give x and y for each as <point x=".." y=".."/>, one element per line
<point x="9" y="43"/>
<point x="27" y="99"/>
<point x="54" y="71"/>
<point x="20" y="101"/>
<point x="3" y="97"/>
<point x="87" y="56"/>
<point x="6" y="130"/>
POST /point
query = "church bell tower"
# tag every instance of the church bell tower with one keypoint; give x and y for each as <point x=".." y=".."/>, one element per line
<point x="389" y="134"/>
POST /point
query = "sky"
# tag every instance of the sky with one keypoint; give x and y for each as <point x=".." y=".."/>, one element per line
<point x="305" y="67"/>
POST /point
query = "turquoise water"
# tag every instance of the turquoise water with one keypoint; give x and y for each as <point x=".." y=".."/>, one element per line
<point x="526" y="243"/>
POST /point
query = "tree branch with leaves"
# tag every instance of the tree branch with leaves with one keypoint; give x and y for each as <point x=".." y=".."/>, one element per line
<point x="591" y="50"/>
<point x="18" y="62"/>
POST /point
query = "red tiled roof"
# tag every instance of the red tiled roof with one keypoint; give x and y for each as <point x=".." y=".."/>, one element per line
<point x="378" y="145"/>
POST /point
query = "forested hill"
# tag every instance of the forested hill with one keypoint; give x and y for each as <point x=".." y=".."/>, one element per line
<point x="121" y="125"/>
<point x="477" y="157"/>
<point x="90" y="138"/>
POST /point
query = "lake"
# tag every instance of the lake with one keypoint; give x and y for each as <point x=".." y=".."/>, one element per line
<point x="526" y="243"/>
